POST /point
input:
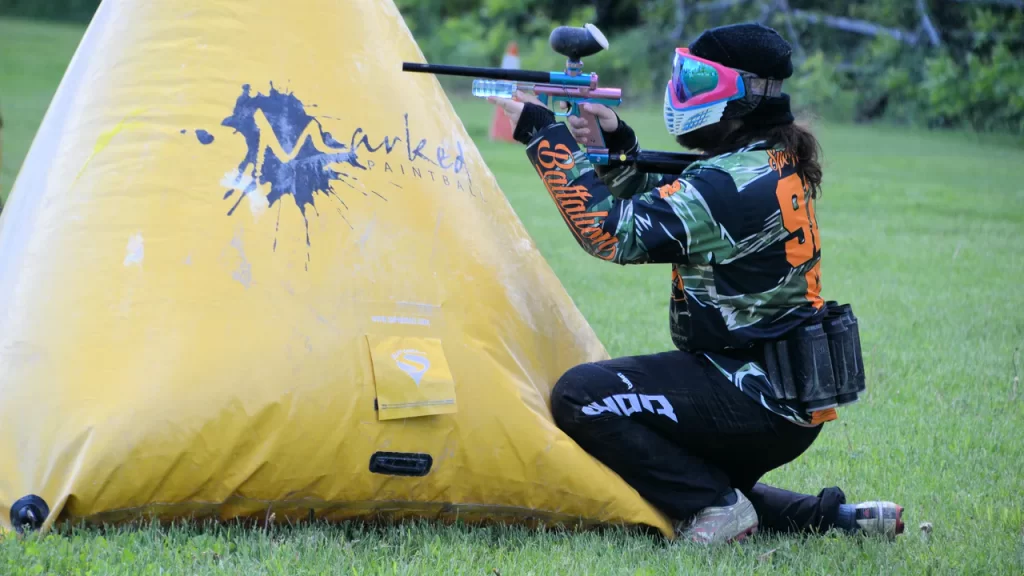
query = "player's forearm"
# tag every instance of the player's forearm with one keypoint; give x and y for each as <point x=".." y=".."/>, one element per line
<point x="643" y="228"/>
<point x="581" y="197"/>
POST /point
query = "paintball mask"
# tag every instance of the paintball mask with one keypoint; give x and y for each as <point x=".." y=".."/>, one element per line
<point x="702" y="92"/>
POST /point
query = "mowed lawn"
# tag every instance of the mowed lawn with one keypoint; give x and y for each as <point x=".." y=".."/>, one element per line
<point x="922" y="232"/>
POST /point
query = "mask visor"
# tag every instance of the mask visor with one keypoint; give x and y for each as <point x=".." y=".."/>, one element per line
<point x="692" y="78"/>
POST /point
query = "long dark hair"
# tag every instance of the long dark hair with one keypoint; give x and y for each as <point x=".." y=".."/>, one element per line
<point x="795" y="138"/>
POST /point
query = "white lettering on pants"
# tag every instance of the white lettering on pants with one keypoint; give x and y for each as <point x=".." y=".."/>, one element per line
<point x="629" y="404"/>
<point x="594" y="408"/>
<point x="664" y="409"/>
<point x="632" y="408"/>
<point x="629" y="385"/>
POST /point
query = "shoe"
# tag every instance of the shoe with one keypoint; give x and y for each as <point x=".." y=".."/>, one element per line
<point x="723" y="524"/>
<point x="879" y="518"/>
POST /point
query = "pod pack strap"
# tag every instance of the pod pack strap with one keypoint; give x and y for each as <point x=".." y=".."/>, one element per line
<point x="819" y="366"/>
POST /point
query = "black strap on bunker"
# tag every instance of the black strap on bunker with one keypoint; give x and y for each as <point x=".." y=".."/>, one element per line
<point x="819" y="365"/>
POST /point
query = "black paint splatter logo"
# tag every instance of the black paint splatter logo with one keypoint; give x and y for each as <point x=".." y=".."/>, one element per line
<point x="287" y="153"/>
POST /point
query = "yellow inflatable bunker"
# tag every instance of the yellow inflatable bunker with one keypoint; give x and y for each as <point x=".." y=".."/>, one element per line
<point x="249" y="266"/>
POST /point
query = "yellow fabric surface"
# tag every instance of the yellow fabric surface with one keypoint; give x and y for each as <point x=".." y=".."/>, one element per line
<point x="235" y="214"/>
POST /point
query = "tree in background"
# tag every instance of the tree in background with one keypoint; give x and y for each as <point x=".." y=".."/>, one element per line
<point x="614" y="16"/>
<point x="939" y="63"/>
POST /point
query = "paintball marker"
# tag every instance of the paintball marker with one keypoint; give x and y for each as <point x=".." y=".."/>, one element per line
<point x="565" y="93"/>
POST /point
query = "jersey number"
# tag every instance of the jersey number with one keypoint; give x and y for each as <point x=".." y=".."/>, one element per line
<point x="798" y="215"/>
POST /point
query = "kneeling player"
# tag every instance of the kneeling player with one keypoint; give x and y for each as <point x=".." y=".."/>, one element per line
<point x="761" y="360"/>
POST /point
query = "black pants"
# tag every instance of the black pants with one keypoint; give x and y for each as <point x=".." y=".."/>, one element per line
<point x="684" y="436"/>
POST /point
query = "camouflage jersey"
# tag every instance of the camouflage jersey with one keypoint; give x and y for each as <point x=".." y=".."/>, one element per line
<point x="738" y="229"/>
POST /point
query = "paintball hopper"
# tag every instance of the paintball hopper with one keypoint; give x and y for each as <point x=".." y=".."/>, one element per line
<point x="577" y="43"/>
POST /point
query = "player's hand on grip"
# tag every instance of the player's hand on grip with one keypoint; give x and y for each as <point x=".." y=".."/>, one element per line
<point x="513" y="107"/>
<point x="605" y="116"/>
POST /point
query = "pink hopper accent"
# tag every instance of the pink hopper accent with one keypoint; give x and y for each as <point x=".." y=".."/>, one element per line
<point x="726" y="89"/>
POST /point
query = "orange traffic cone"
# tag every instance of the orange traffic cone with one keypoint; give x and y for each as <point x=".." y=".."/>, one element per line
<point x="501" y="128"/>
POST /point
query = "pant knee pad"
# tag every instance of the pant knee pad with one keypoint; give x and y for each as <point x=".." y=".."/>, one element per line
<point x="574" y="390"/>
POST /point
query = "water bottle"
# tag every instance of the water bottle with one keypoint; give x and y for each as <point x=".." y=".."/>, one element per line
<point x="499" y="88"/>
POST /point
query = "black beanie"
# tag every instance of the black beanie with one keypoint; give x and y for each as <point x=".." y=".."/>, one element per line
<point x="752" y="48"/>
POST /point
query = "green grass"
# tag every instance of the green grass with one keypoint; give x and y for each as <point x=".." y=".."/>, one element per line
<point x="923" y="232"/>
<point x="33" y="57"/>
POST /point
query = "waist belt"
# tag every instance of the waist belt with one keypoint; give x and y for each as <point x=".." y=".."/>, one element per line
<point x="818" y="366"/>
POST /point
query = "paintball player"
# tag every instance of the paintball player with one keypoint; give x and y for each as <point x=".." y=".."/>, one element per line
<point x="694" y="429"/>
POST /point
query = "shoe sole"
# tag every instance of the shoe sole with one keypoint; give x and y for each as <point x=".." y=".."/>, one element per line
<point x="899" y="520"/>
<point x="744" y="535"/>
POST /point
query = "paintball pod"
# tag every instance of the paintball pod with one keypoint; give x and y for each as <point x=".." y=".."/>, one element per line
<point x="565" y="93"/>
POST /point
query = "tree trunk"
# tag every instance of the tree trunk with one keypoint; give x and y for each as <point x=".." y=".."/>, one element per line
<point x="794" y="37"/>
<point x="1009" y="3"/>
<point x="926" y="24"/>
<point x="680" y="28"/>
<point x="856" y="26"/>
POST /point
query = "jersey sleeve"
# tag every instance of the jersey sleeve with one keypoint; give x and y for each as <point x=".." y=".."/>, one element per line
<point x="666" y="222"/>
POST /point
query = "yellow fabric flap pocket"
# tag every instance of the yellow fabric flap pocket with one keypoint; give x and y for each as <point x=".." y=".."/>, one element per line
<point x="411" y="376"/>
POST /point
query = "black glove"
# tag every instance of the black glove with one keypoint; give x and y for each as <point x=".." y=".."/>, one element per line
<point x="622" y="139"/>
<point x="533" y="119"/>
